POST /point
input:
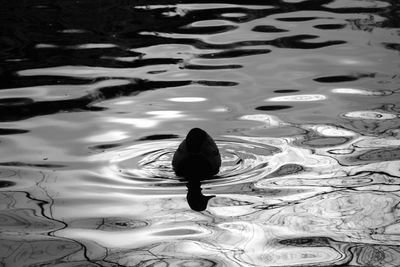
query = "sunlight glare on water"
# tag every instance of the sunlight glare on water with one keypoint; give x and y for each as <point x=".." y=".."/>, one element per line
<point x="300" y="96"/>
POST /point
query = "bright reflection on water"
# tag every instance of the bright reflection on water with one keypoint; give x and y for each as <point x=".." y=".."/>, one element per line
<point x="302" y="98"/>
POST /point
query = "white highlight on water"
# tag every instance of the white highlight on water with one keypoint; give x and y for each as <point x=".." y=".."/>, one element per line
<point x="187" y="99"/>
<point x="298" y="98"/>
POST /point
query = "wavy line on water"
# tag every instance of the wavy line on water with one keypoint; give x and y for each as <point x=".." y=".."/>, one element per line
<point x="148" y="164"/>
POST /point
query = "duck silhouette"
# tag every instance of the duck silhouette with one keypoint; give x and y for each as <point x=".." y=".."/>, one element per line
<point x="195" y="198"/>
<point x="197" y="158"/>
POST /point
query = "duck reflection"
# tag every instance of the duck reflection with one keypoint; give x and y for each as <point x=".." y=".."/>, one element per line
<point x="197" y="158"/>
<point x="196" y="200"/>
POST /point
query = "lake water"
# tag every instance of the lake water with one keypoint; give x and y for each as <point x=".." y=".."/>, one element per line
<point x="302" y="98"/>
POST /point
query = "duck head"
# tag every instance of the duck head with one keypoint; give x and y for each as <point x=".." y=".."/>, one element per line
<point x="195" y="139"/>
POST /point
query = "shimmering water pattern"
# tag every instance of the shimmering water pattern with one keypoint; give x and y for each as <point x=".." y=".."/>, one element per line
<point x="301" y="97"/>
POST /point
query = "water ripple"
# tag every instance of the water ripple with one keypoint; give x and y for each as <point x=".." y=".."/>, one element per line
<point x="148" y="164"/>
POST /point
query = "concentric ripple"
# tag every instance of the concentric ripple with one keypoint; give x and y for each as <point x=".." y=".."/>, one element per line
<point x="148" y="164"/>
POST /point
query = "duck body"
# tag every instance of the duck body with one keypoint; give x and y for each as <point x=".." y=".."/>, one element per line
<point x="197" y="157"/>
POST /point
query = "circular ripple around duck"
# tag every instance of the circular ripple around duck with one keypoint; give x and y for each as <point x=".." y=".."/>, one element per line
<point x="149" y="164"/>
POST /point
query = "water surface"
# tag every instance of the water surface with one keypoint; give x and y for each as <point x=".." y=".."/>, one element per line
<point x="302" y="98"/>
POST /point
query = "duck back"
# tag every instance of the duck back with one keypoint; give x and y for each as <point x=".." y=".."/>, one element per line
<point x="197" y="156"/>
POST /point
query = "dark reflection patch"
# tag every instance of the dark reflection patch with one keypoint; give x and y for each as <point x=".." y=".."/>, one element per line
<point x="337" y="79"/>
<point x="330" y="26"/>
<point x="392" y="46"/>
<point x="104" y="146"/>
<point x="315" y="241"/>
<point x="4" y="131"/>
<point x="6" y="184"/>
<point x="206" y="30"/>
<point x="212" y="67"/>
<point x="273" y="107"/>
<point x="284" y="91"/>
<point x="217" y="83"/>
<point x="297" y="19"/>
<point x="158" y="137"/>
<point x="95" y="108"/>
<point x="12" y="81"/>
<point x="156" y="71"/>
<point x="25" y="164"/>
<point x="267" y="28"/>
<point x="236" y="53"/>
<point x="299" y="42"/>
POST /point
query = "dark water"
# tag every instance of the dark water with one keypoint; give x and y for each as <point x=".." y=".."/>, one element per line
<point x="302" y="98"/>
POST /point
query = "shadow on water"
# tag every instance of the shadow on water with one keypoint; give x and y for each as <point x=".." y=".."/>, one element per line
<point x="301" y="97"/>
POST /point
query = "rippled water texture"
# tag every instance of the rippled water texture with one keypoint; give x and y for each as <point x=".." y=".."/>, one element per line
<point x="302" y="98"/>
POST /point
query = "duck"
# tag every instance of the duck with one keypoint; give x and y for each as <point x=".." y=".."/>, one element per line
<point x="197" y="157"/>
